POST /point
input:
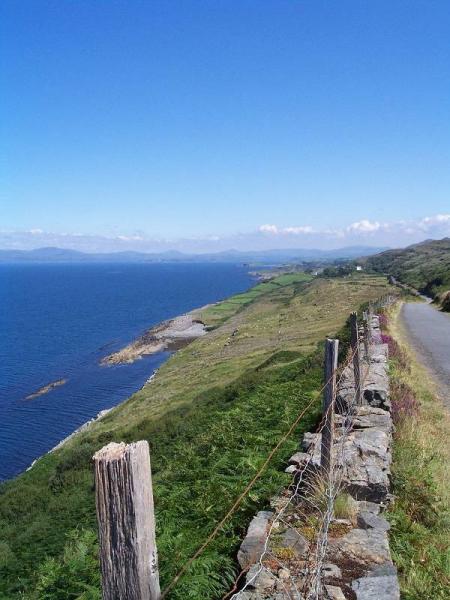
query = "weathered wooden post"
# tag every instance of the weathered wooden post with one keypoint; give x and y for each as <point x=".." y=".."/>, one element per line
<point x="354" y="340"/>
<point x="126" y="522"/>
<point x="366" y="337"/>
<point x="329" y="396"/>
<point x="369" y="322"/>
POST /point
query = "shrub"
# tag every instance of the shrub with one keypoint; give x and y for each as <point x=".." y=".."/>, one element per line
<point x="445" y="301"/>
<point x="405" y="406"/>
<point x="396" y="352"/>
<point x="383" y="318"/>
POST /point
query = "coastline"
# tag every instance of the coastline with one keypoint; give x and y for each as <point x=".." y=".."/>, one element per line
<point x="75" y="432"/>
<point x="172" y="334"/>
<point x="85" y="425"/>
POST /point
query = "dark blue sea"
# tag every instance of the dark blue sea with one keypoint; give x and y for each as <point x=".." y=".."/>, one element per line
<point x="57" y="321"/>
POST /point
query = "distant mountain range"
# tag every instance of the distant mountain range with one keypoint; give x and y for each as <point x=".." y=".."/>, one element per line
<point x="276" y="257"/>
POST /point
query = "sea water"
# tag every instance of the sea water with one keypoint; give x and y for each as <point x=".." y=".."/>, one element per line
<point x="58" y="320"/>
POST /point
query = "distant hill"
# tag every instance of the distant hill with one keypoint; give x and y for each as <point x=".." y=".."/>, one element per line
<point x="425" y="266"/>
<point x="276" y="257"/>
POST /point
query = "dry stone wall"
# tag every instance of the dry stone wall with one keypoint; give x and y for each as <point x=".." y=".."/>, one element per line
<point x="357" y="563"/>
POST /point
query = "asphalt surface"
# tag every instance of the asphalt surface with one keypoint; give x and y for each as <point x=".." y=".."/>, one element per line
<point x="428" y="331"/>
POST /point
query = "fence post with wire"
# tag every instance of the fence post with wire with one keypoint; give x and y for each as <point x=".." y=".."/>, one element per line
<point x="124" y="498"/>
<point x="366" y="336"/>
<point x="329" y="398"/>
<point x="325" y="515"/>
<point x="354" y="333"/>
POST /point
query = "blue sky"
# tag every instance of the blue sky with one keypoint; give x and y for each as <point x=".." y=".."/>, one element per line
<point x="276" y="123"/>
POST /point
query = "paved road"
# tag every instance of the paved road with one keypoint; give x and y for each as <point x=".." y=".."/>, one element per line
<point x="428" y="331"/>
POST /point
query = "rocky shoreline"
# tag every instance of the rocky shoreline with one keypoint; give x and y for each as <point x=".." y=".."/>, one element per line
<point x="172" y="334"/>
<point x="168" y="335"/>
<point x="78" y="430"/>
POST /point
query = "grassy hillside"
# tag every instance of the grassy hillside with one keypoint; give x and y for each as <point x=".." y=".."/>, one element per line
<point x="211" y="415"/>
<point x="425" y="266"/>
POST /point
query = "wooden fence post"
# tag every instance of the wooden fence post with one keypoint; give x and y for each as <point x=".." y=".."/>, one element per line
<point x="126" y="522"/>
<point x="329" y="396"/>
<point x="369" y="322"/>
<point x="356" y="357"/>
<point x="366" y="336"/>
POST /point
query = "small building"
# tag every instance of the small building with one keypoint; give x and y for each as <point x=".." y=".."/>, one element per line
<point x="359" y="268"/>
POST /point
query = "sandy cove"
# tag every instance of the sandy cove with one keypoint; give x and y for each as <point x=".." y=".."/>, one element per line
<point x="168" y="335"/>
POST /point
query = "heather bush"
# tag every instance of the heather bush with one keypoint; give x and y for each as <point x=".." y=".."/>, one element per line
<point x="383" y="319"/>
<point x="405" y="406"/>
<point x="396" y="352"/>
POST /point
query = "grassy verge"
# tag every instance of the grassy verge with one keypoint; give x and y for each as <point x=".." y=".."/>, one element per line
<point x="420" y="516"/>
<point x="211" y="415"/>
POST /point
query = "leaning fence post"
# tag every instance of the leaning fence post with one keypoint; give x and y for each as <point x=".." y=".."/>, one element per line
<point x="329" y="395"/>
<point x="356" y="357"/>
<point x="126" y="522"/>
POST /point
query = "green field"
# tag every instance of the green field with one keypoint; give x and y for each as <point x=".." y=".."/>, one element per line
<point x="216" y="314"/>
<point x="211" y="415"/>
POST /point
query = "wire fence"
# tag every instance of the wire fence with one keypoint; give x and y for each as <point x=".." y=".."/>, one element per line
<point x="306" y="512"/>
<point x="294" y="549"/>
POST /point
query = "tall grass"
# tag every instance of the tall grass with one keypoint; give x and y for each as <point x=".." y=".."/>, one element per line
<point x="420" y="514"/>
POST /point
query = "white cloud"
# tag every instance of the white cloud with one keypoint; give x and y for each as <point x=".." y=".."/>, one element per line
<point x="364" y="226"/>
<point x="362" y="232"/>
<point x="275" y="230"/>
<point x="130" y="238"/>
<point x="272" y="229"/>
<point x="298" y="230"/>
<point x="428" y="223"/>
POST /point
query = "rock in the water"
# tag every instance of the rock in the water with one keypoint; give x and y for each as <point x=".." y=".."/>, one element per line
<point x="253" y="545"/>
